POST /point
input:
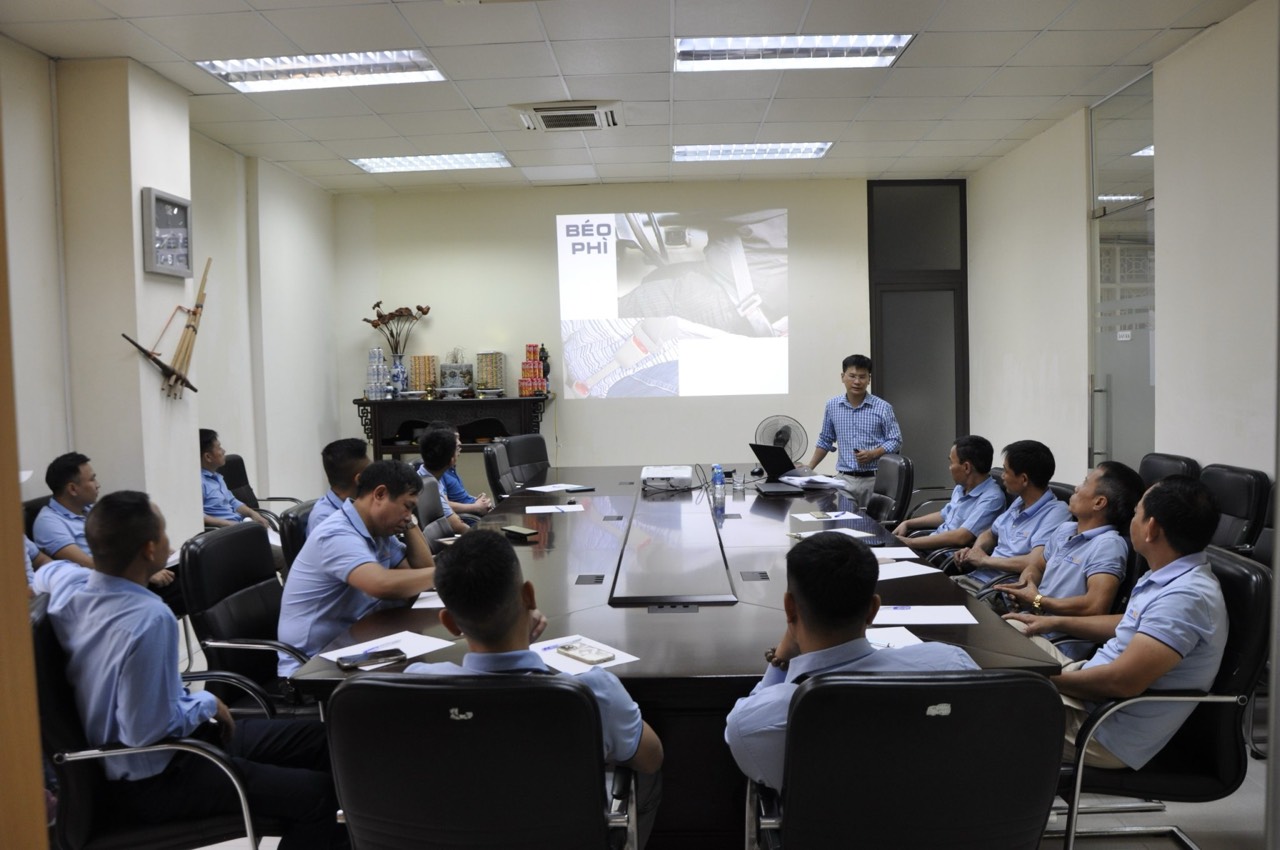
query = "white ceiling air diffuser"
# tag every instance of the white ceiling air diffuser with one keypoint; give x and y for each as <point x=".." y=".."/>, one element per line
<point x="564" y="115"/>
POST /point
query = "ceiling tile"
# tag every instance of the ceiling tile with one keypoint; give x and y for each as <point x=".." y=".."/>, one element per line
<point x="440" y="24"/>
<point x="620" y="87"/>
<point x="1129" y="15"/>
<point x="551" y="156"/>
<point x="568" y="19"/>
<point x="224" y="107"/>
<point x="500" y="118"/>
<point x="910" y="108"/>
<point x="419" y="178"/>
<point x="953" y="147"/>
<point x="720" y="111"/>
<point x="287" y="151"/>
<point x="1111" y="80"/>
<point x="802" y="131"/>
<point x="411" y="98"/>
<point x="741" y="17"/>
<point x="237" y="35"/>
<point x="927" y="164"/>
<point x="659" y="171"/>
<point x="1021" y="82"/>
<point x="528" y="140"/>
<point x="366" y="148"/>
<point x="90" y="40"/>
<point x="1031" y="129"/>
<point x="505" y="92"/>
<point x="26" y="11"/>
<point x="869" y="16"/>
<point x="542" y="173"/>
<point x="1081" y="47"/>
<point x="845" y="150"/>
<point x="825" y="109"/>
<point x="725" y="85"/>
<point x="963" y="49"/>
<point x="1150" y="52"/>
<point x="996" y="15"/>
<point x="1211" y="12"/>
<point x="191" y="78"/>
<point x="638" y="113"/>
<point x="268" y="5"/>
<point x="973" y="129"/>
<point x="321" y="103"/>
<point x="250" y="132"/>
<point x="628" y="137"/>
<point x="321" y="167"/>
<point x="614" y="56"/>
<point x="880" y="131"/>
<point x="983" y="108"/>
<point x="154" y="8"/>
<point x="441" y="121"/>
<point x="648" y="153"/>
<point x="1002" y="147"/>
<point x="933" y="82"/>
<point x="836" y="82"/>
<point x="496" y="61"/>
<point x="456" y="143"/>
<point x="1064" y="107"/>
<point x="854" y="166"/>
<point x="713" y="134"/>
<point x="345" y="29"/>
<point x="348" y="127"/>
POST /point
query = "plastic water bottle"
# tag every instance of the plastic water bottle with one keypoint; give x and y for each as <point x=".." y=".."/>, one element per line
<point x="717" y="483"/>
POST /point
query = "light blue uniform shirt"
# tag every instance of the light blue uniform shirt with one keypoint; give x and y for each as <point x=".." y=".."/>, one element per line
<point x="853" y="429"/>
<point x="318" y="603"/>
<point x="975" y="510"/>
<point x="122" y="646"/>
<point x="324" y="507"/>
<point x="1181" y="606"/>
<point x="1071" y="559"/>
<point x="56" y="527"/>
<point x="1021" y="529"/>
<point x="29" y="553"/>
<point x="620" y="720"/>
<point x="218" y="501"/>
<point x="756" y="729"/>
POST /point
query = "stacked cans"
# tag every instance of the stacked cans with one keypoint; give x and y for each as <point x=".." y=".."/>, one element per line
<point x="532" y="380"/>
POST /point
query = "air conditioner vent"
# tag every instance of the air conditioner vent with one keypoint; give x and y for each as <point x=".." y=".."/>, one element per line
<point x="561" y="116"/>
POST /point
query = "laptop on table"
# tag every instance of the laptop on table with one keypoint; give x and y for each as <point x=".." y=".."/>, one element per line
<point x="777" y="465"/>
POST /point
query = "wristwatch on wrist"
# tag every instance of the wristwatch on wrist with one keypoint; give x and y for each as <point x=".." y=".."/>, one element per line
<point x="1035" y="603"/>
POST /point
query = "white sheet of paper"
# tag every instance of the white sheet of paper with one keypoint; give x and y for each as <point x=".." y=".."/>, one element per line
<point x="830" y="516"/>
<point x="823" y="482"/>
<point x="551" y="488"/>
<point x="902" y="569"/>
<point x="891" y="637"/>
<point x="553" y="509"/>
<point x="897" y="553"/>
<point x="410" y="643"/>
<point x="852" y="532"/>
<point x="273" y="536"/>
<point x="921" y="615"/>
<point x="428" y="599"/>
<point x="546" y="649"/>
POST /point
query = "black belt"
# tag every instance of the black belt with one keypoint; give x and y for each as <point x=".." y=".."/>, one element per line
<point x="858" y="473"/>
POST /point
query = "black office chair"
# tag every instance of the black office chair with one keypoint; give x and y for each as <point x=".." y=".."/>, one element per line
<point x="431" y="519"/>
<point x="30" y="510"/>
<point x="881" y="509"/>
<point x="1062" y="490"/>
<point x="1242" y="498"/>
<point x="390" y="734"/>
<point x="237" y="478"/>
<point x="1157" y="465"/>
<point x="527" y="456"/>
<point x="1206" y="759"/>
<point x="895" y="478"/>
<point x="1264" y="548"/>
<point x="233" y="597"/>
<point x="498" y="470"/>
<point x="86" y="816"/>
<point x="293" y="530"/>
<point x="865" y="752"/>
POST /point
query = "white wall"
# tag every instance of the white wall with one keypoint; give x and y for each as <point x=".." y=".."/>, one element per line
<point x="1216" y="225"/>
<point x="486" y="263"/>
<point x="35" y="293"/>
<point x="1029" y="296"/>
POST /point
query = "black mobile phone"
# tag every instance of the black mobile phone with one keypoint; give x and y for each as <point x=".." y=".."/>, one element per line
<point x="378" y="656"/>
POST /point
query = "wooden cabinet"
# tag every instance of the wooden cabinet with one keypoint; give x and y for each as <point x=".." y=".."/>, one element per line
<point x="389" y="424"/>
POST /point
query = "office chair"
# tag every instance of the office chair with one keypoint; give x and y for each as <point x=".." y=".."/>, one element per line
<point x="498" y="470"/>
<point x="1242" y="498"/>
<point x="895" y="478"/>
<point x="233" y="597"/>
<point x="431" y="519"/>
<point x="30" y="510"/>
<point x="1205" y="760"/>
<point x="1062" y="490"/>
<point x="865" y="753"/>
<point x="527" y="456"/>
<point x="881" y="508"/>
<point x="1264" y="548"/>
<point x="86" y="817"/>
<point x="1157" y="465"/>
<point x="538" y="737"/>
<point x="293" y="530"/>
<point x="237" y="478"/>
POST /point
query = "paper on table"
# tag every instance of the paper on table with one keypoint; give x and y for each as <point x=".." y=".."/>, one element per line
<point x="921" y="615"/>
<point x="830" y="516"/>
<point x="273" y="536"/>
<point x="819" y="482"/>
<point x="852" y="532"/>
<point x="897" y="553"/>
<point x="891" y="637"/>
<point x="553" y="509"/>
<point x="546" y="650"/>
<point x="428" y="599"/>
<point x="411" y="644"/>
<point x="551" y="488"/>
<point x="902" y="569"/>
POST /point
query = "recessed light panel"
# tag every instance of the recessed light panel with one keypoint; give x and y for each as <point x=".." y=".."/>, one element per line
<point x="1149" y="150"/>
<point x="325" y="70"/>
<point x="775" y="150"/>
<point x="440" y="162"/>
<point x="753" y="53"/>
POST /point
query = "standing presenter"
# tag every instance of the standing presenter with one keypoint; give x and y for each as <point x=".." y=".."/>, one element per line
<point x="862" y="428"/>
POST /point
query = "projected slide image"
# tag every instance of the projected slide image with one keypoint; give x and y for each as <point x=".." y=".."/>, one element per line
<point x="673" y="304"/>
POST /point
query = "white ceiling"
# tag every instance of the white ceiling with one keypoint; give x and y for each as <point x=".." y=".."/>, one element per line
<point x="981" y="77"/>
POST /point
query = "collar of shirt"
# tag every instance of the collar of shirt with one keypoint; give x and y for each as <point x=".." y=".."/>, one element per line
<point x="353" y="516"/>
<point x="103" y="583"/>
<point x="1174" y="569"/>
<point x="519" y="661"/>
<point x="844" y="399"/>
<point x="62" y="511"/>
<point x="812" y="663"/>
<point x="332" y="498"/>
<point x="1021" y="511"/>
<point x="987" y="484"/>
<point x="1081" y="536"/>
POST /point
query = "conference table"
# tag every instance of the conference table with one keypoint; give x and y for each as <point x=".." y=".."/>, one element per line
<point x="694" y="592"/>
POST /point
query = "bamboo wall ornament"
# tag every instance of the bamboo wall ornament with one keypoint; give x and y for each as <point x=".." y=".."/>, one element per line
<point x="174" y="374"/>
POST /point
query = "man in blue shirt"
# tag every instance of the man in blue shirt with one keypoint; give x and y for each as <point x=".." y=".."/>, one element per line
<point x="1170" y="637"/>
<point x="829" y="603"/>
<point x="975" y="502"/>
<point x="221" y="508"/>
<point x="439" y="448"/>
<point x="122" y="649"/>
<point x="1015" y="541"/>
<point x="343" y="462"/>
<point x="861" y="425"/>
<point x="470" y="508"/>
<point x="488" y="602"/>
<point x="353" y="563"/>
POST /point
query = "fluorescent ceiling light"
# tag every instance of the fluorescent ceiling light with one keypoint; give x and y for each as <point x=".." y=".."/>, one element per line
<point x="1149" y="150"/>
<point x="751" y="53"/>
<point x="1119" y="199"/>
<point x="440" y="162"/>
<point x="773" y="150"/>
<point x="325" y="70"/>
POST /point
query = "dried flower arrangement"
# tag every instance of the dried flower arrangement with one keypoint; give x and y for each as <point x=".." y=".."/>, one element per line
<point x="396" y="326"/>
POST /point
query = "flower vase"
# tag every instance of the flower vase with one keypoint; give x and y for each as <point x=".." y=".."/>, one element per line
<point x="399" y="375"/>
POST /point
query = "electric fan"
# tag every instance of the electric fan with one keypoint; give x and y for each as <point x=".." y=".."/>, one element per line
<point x="785" y="432"/>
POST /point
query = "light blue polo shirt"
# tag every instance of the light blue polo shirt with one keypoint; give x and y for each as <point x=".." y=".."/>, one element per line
<point x="1021" y="529"/>
<point x="318" y="604"/>
<point x="1181" y="606"/>
<point x="218" y="501"/>
<point x="975" y="510"/>
<point x="325" y="506"/>
<point x="29" y="553"/>
<point x="56" y="527"/>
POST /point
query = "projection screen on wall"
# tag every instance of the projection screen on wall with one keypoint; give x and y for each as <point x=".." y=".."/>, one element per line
<point x="673" y="304"/>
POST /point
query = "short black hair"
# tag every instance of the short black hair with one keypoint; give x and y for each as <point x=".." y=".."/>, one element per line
<point x="398" y="477"/>
<point x="438" y="447"/>
<point x="1123" y="488"/>
<point x="479" y="579"/>
<point x="119" y="525"/>
<point x="860" y="361"/>
<point x="341" y="459"/>
<point x="440" y="423"/>
<point x="1184" y="509"/>
<point x="207" y="438"/>
<point x="832" y="577"/>
<point x="975" y="450"/>
<point x="64" y="470"/>
<point x="1033" y="459"/>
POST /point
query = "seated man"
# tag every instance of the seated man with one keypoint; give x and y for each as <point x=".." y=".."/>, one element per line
<point x="1171" y="636"/>
<point x="33" y="559"/>
<point x="467" y="506"/>
<point x="439" y="448"/>
<point x="975" y="502"/>
<point x="343" y="462"/>
<point x="353" y="563"/>
<point x="59" y="527"/>
<point x="488" y="602"/>
<point x="829" y="603"/>
<point x="220" y="507"/>
<point x="122" y="648"/>
<point x="1085" y="559"/>
<point x="1015" y="541"/>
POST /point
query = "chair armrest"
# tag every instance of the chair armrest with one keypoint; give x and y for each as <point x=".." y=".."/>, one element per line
<point x="767" y="813"/>
<point x="288" y="499"/>
<point x="620" y="817"/>
<point x="243" y="682"/>
<point x="262" y="644"/>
